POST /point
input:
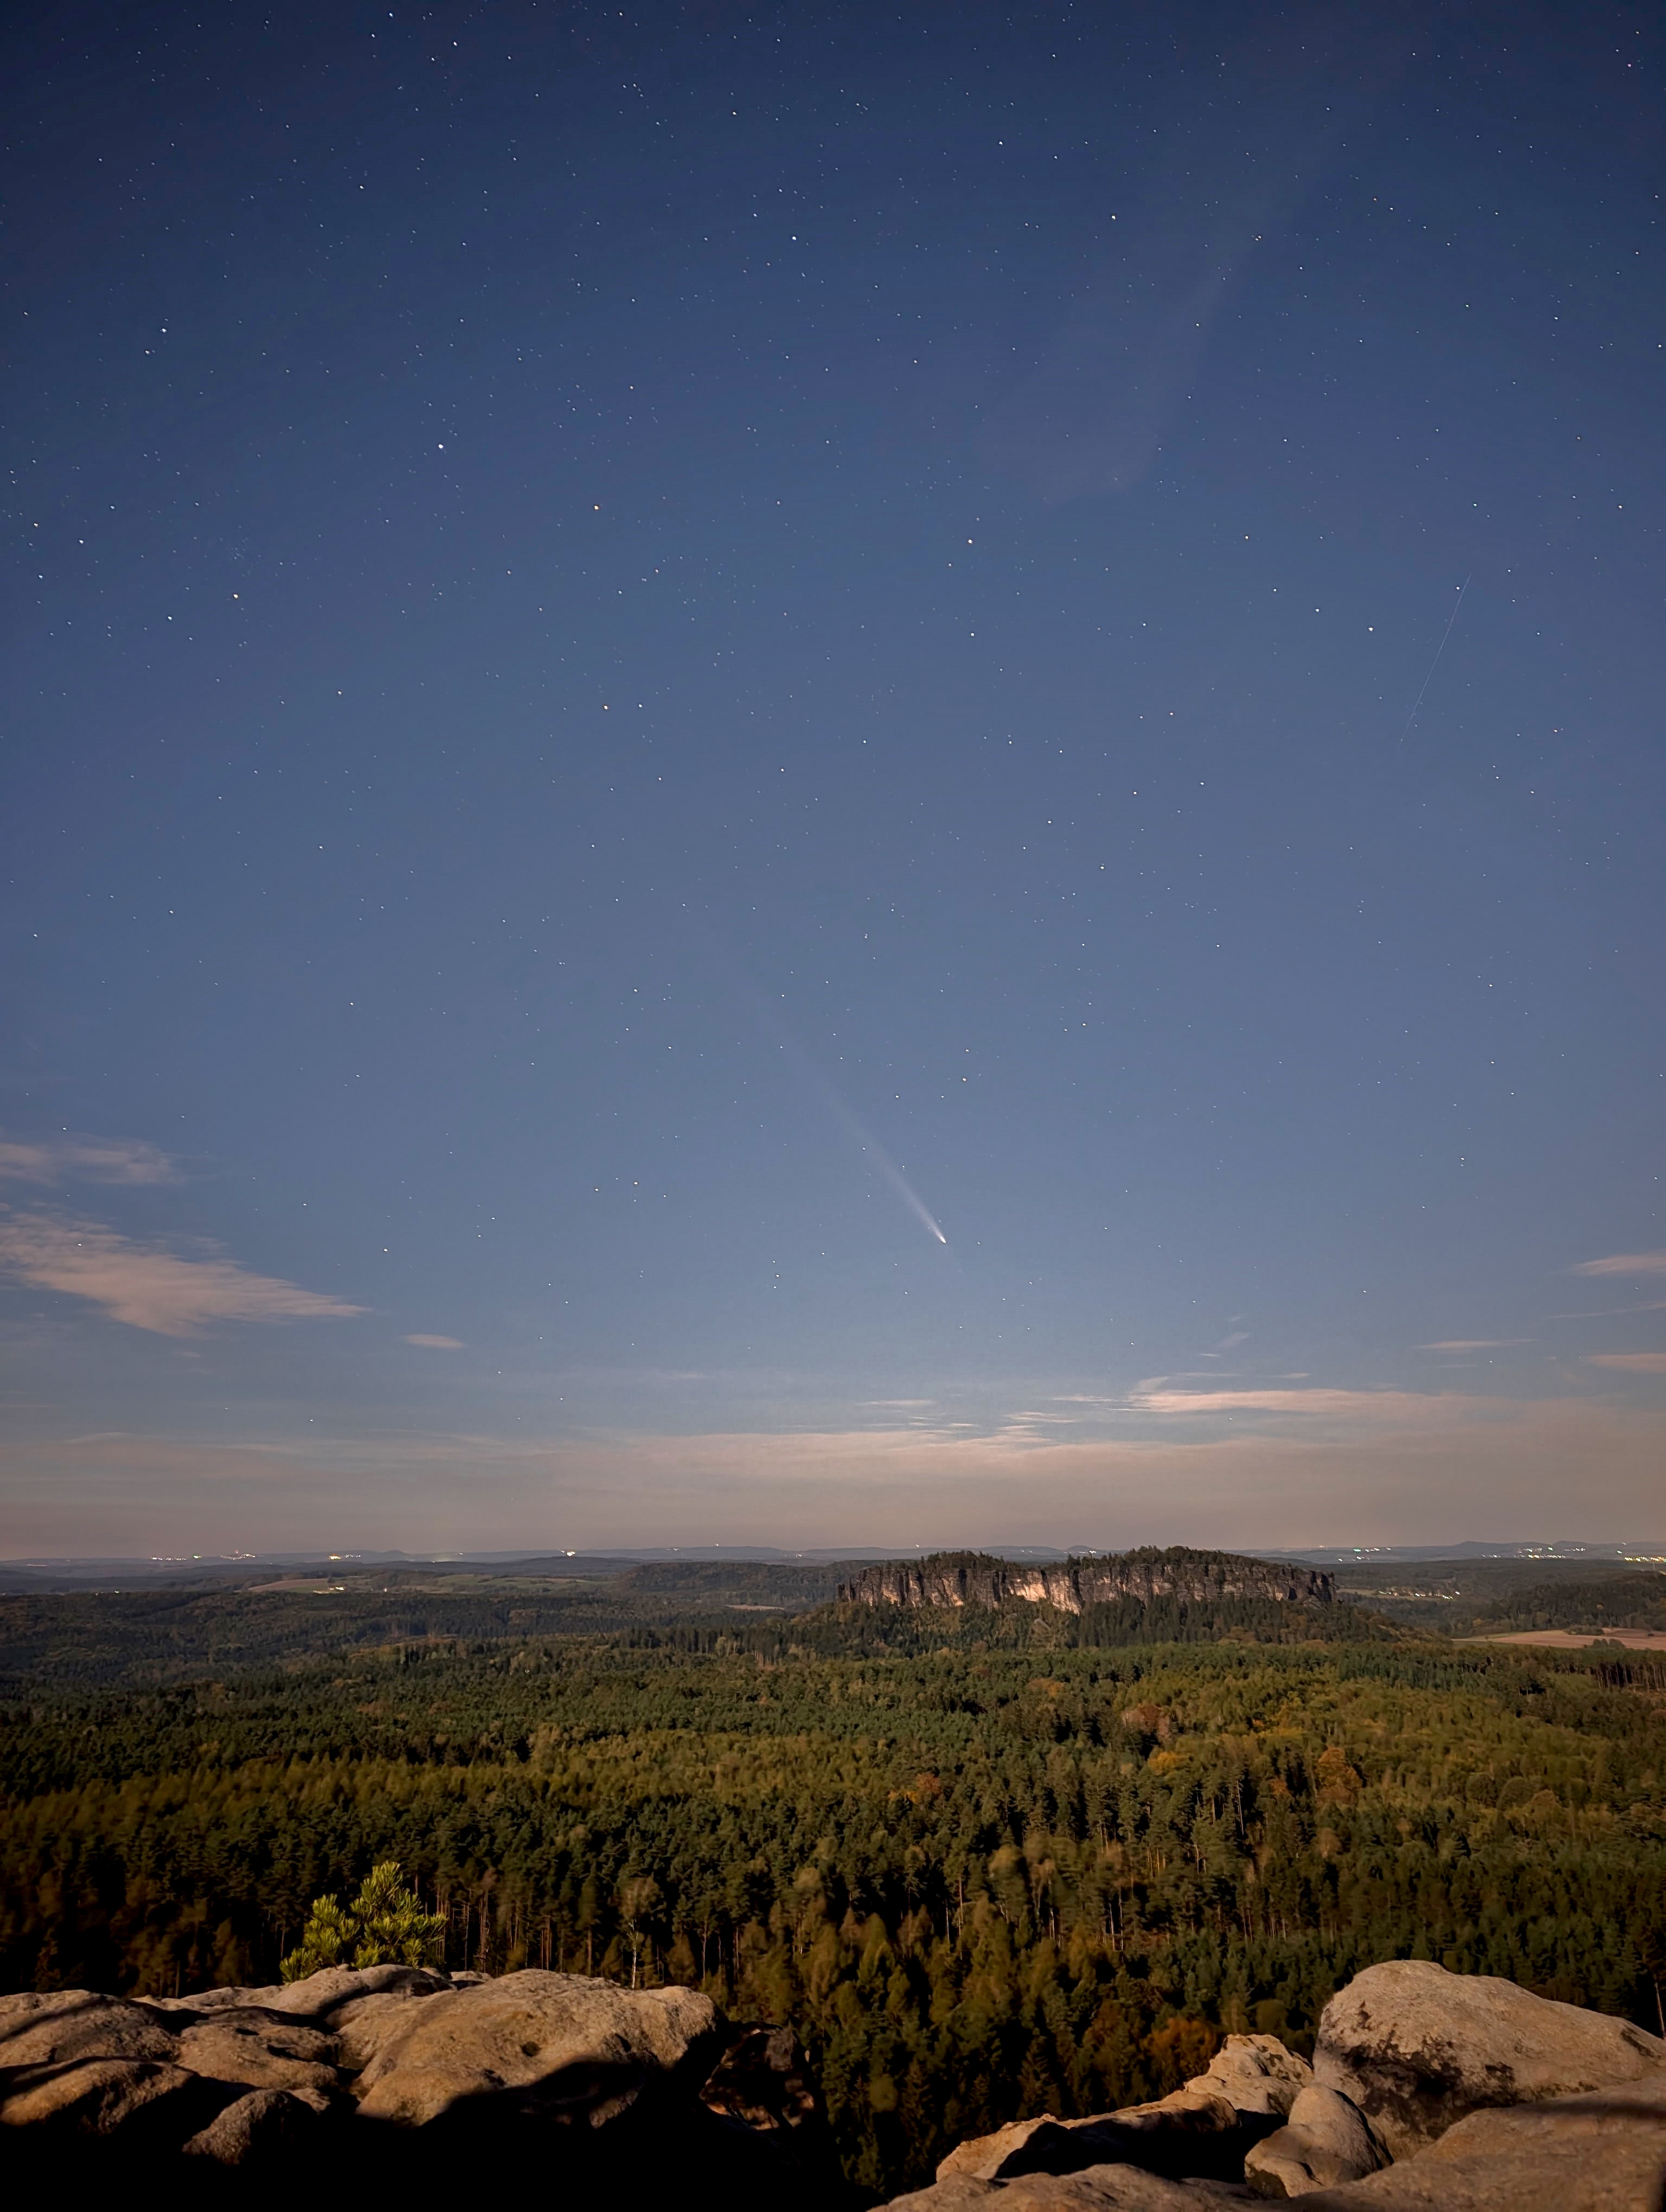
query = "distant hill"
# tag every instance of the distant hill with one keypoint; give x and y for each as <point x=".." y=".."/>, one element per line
<point x="741" y="1585"/>
<point x="1467" y="1597"/>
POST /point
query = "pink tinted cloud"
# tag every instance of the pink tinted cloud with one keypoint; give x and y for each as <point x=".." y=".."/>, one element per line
<point x="1630" y="1363"/>
<point x="1473" y="1343"/>
<point x="1366" y="1406"/>
<point x="437" y="1343"/>
<point x="1624" y="1263"/>
<point x="144" y="1284"/>
<point x="91" y="1159"/>
<point x="1415" y="1483"/>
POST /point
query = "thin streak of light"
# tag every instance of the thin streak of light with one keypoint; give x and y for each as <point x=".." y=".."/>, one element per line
<point x="857" y="1130"/>
<point x="1435" y="663"/>
<point x="863" y="1137"/>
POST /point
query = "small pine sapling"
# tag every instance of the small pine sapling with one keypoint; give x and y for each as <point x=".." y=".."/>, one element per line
<point x="383" y="1926"/>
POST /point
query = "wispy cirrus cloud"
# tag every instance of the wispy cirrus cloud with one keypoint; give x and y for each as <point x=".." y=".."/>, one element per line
<point x="1630" y="1363"/>
<point x="1474" y="1344"/>
<point x="437" y="1343"/>
<point x="1168" y="1394"/>
<point x="1606" y="1313"/>
<point x="48" y="1160"/>
<point x="1623" y="1263"/>
<point x="1371" y="1406"/>
<point x="1148" y="1383"/>
<point x="146" y="1285"/>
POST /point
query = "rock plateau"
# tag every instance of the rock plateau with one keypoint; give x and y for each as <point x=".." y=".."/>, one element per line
<point x="962" y="1578"/>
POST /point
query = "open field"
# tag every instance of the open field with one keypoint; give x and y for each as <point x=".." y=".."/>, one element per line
<point x="1580" y="1639"/>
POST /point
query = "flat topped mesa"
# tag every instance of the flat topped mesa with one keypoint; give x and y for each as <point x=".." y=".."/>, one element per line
<point x="962" y="1578"/>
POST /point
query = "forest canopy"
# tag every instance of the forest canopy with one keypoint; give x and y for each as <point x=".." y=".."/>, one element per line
<point x="987" y="1862"/>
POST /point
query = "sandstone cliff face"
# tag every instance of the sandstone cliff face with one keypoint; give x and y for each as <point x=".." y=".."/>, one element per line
<point x="962" y="1578"/>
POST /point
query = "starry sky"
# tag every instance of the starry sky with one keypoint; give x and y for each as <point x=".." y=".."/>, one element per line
<point x="815" y="775"/>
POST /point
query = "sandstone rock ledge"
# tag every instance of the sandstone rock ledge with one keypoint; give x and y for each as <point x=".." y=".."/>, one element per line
<point x="1430" y="2092"/>
<point x="595" y="2093"/>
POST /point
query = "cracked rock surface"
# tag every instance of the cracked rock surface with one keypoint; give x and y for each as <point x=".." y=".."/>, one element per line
<point x="420" y="2074"/>
<point x="1417" y="2048"/>
<point x="1430" y="2092"/>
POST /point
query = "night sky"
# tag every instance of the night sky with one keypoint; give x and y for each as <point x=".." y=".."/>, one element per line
<point x="817" y="775"/>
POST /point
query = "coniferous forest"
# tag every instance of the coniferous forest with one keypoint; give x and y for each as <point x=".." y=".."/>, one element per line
<point x="987" y="1864"/>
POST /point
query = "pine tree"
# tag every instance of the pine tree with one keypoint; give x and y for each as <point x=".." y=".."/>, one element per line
<point x="383" y="1926"/>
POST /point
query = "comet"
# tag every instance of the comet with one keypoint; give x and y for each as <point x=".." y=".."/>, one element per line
<point x="857" y="1130"/>
<point x="868" y="1143"/>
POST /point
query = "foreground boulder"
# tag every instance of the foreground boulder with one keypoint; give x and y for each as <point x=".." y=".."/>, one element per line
<point x="573" y="2051"/>
<point x="1601" y="2152"/>
<point x="46" y="2030"/>
<point x="1431" y="2092"/>
<point x="152" y="2106"/>
<point x="270" y="2128"/>
<point x="1416" y="2049"/>
<point x="264" y="2050"/>
<point x="1327" y="2139"/>
<point x="1202" y="2131"/>
<point x="410" y="2080"/>
<point x="1096" y="2189"/>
